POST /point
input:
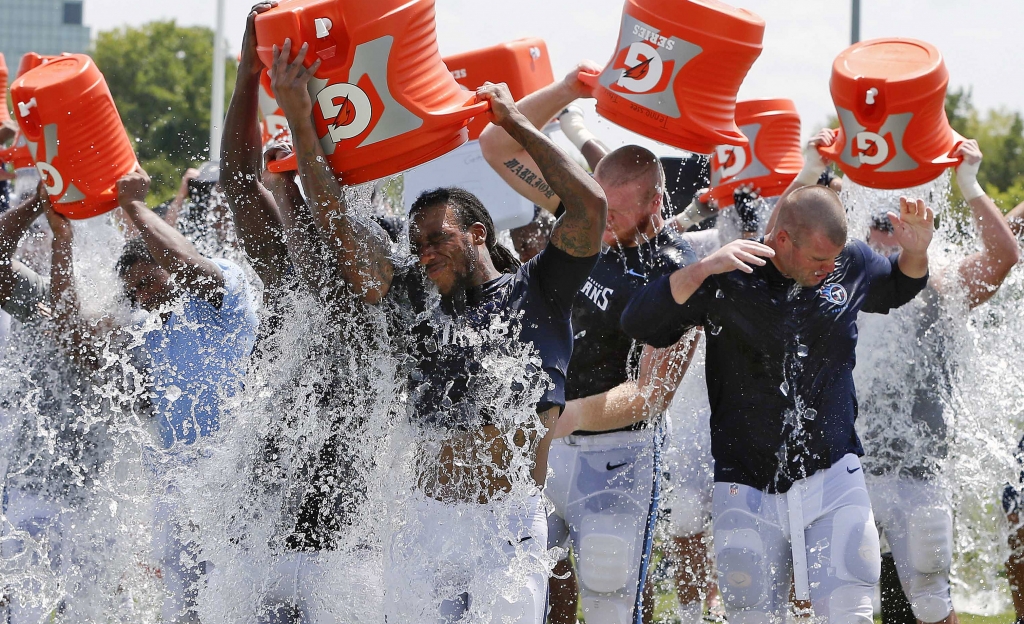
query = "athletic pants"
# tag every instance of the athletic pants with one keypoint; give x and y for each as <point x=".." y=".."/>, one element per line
<point x="917" y="519"/>
<point x="820" y="533"/>
<point x="604" y="490"/>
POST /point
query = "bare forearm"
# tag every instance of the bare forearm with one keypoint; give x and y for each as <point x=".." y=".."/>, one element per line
<point x="14" y="223"/>
<point x="540" y="107"/>
<point x="361" y="247"/>
<point x="578" y="232"/>
<point x="306" y="250"/>
<point x="996" y="235"/>
<point x="687" y="280"/>
<point x="913" y="265"/>
<point x="1015" y="218"/>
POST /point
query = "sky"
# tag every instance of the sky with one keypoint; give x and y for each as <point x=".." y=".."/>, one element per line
<point x="979" y="40"/>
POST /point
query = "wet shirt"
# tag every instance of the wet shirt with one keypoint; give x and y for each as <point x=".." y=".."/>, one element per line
<point x="603" y="355"/>
<point x="198" y="357"/>
<point x="449" y="350"/>
<point x="907" y="388"/>
<point x="780" y="360"/>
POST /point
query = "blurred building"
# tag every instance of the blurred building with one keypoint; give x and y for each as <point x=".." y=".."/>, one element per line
<point x="43" y="26"/>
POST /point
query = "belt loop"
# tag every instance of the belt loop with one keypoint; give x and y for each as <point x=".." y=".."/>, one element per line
<point x="801" y="583"/>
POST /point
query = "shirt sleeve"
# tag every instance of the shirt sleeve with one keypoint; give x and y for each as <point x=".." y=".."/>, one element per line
<point x="889" y="287"/>
<point x="31" y="290"/>
<point x="560" y="276"/>
<point x="238" y="305"/>
<point x="653" y="317"/>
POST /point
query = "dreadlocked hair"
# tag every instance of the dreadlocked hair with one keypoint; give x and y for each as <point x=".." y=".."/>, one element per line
<point x="469" y="210"/>
<point x="135" y="251"/>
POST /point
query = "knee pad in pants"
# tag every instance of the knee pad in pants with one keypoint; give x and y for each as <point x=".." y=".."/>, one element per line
<point x="606" y="561"/>
<point x="855" y="551"/>
<point x="741" y="562"/>
<point x="930" y="540"/>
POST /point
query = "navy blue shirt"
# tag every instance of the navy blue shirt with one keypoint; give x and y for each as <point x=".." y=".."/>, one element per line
<point x="780" y="360"/>
<point x="603" y="354"/>
<point x="447" y="382"/>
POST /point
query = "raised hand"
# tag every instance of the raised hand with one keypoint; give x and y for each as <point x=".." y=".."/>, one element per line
<point x="250" y="61"/>
<point x="914" y="226"/>
<point x="740" y="255"/>
<point x="572" y="80"/>
<point x="503" y="106"/>
<point x="289" y="80"/>
<point x="132" y="187"/>
<point x="967" y="170"/>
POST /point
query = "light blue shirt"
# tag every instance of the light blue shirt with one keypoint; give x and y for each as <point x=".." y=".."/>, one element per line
<point x="198" y="358"/>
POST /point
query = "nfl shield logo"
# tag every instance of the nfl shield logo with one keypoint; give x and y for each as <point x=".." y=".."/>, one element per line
<point x="734" y="489"/>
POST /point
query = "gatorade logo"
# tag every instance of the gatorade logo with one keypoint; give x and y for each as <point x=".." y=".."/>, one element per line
<point x="347" y="108"/>
<point x="881" y="149"/>
<point x="643" y="69"/>
<point x="359" y="107"/>
<point x="870" y="148"/>
<point x="52" y="179"/>
<point x="646" y="64"/>
<point x="730" y="160"/>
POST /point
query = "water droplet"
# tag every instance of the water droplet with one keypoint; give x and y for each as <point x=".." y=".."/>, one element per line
<point x="810" y="414"/>
<point x="172" y="393"/>
<point x="801" y="350"/>
<point x="719" y="294"/>
<point x="784" y="388"/>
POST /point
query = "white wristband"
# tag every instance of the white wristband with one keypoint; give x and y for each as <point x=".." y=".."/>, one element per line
<point x="967" y="180"/>
<point x="814" y="166"/>
<point x="696" y="212"/>
<point x="571" y="121"/>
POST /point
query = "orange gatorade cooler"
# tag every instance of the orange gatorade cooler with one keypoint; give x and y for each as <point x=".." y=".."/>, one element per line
<point x="383" y="101"/>
<point x="274" y="124"/>
<point x="524" y="65"/>
<point x="677" y="69"/>
<point x="890" y="98"/>
<point x="74" y="134"/>
<point x="18" y="154"/>
<point x="772" y="159"/>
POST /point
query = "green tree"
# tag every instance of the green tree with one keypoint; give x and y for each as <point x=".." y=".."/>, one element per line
<point x="160" y="76"/>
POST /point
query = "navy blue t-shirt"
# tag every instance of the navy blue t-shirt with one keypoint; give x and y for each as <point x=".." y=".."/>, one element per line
<point x="603" y="355"/>
<point x="780" y="360"/>
<point x="447" y="347"/>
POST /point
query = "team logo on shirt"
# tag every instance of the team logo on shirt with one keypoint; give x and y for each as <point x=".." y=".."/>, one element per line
<point x="834" y="294"/>
<point x="596" y="293"/>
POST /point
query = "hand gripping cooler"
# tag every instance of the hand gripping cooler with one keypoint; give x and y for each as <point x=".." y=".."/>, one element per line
<point x="74" y="134"/>
<point x="772" y="159"/>
<point x="677" y="69"/>
<point x="383" y="101"/>
<point x="524" y="65"/>
<point x="890" y="97"/>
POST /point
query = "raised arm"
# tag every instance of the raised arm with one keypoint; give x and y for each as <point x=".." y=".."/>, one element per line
<point x="814" y="166"/>
<point x="257" y="220"/>
<point x="13" y="225"/>
<point x="513" y="162"/>
<point x="362" y="248"/>
<point x="172" y="251"/>
<point x="650" y="394"/>
<point x="578" y="232"/>
<point x="984" y="271"/>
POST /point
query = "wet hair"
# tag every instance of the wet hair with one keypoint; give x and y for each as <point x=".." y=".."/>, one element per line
<point x="135" y="251"/>
<point x="882" y="223"/>
<point x="633" y="164"/>
<point x="813" y="209"/>
<point x="469" y="210"/>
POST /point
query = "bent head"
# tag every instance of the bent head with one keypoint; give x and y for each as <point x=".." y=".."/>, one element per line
<point x="633" y="180"/>
<point x="809" y="234"/>
<point x="453" y="236"/>
<point x="146" y="284"/>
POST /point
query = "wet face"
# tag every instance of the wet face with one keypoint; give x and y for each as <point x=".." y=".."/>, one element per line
<point x="148" y="286"/>
<point x="807" y="261"/>
<point x="883" y="242"/>
<point x="629" y="211"/>
<point x="447" y="254"/>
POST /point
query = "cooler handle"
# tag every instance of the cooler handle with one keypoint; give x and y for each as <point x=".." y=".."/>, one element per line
<point x="588" y="78"/>
<point x="834" y="151"/>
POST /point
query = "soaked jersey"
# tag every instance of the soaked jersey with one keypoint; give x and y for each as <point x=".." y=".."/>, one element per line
<point x="466" y="360"/>
<point x="780" y="360"/>
<point x="603" y="355"/>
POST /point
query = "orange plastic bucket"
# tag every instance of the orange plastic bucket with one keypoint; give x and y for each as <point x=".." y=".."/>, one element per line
<point x="74" y="133"/>
<point x="771" y="160"/>
<point x="524" y="65"/>
<point x="383" y="101"/>
<point x="677" y="69"/>
<point x="890" y="97"/>
<point x="18" y="154"/>
<point x="274" y="124"/>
